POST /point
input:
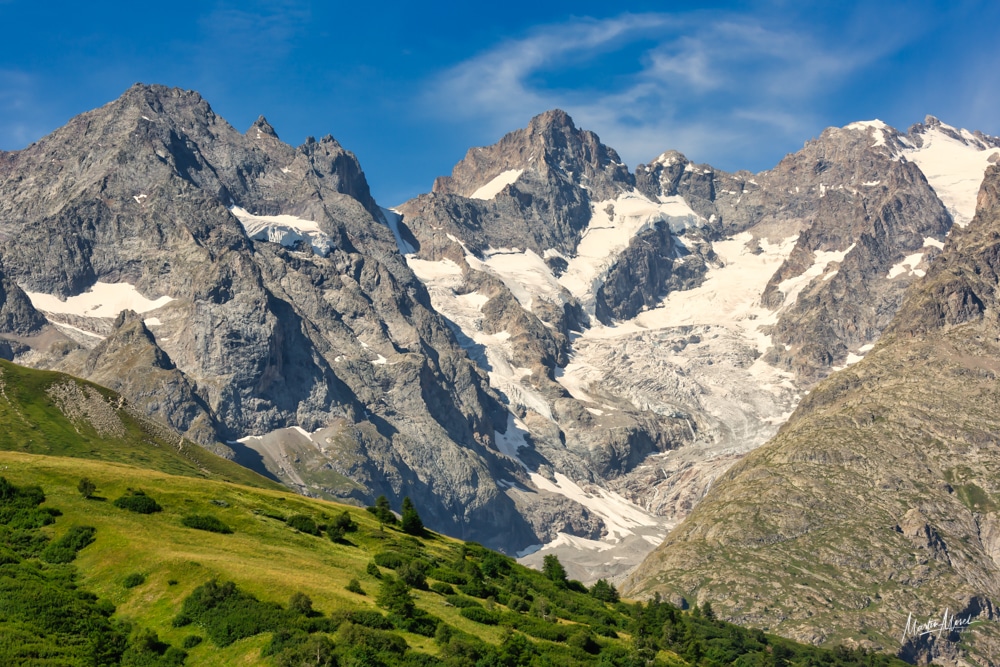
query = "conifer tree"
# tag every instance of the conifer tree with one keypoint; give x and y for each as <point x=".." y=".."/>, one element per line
<point x="411" y="519"/>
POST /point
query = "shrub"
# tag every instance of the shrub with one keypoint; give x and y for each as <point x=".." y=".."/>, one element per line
<point x="370" y="619"/>
<point x="461" y="601"/>
<point x="494" y="564"/>
<point x="447" y="575"/>
<point x="413" y="573"/>
<point x="300" y="603"/>
<point x="478" y="589"/>
<point x="379" y="641"/>
<point x="480" y="615"/>
<point x="394" y="595"/>
<point x="228" y="614"/>
<point x="191" y="641"/>
<point x="345" y="522"/>
<point x="442" y="588"/>
<point x="604" y="591"/>
<point x="354" y="586"/>
<point x="303" y="524"/>
<point x="133" y="580"/>
<point x="206" y="522"/>
<point x="137" y="501"/>
<point x="65" y="548"/>
<point x="315" y="650"/>
<point x="86" y="487"/>
<point x="390" y="559"/>
<point x="517" y="603"/>
<point x="373" y="570"/>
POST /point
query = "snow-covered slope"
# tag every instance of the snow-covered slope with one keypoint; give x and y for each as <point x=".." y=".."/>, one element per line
<point x="724" y="357"/>
<point x="954" y="162"/>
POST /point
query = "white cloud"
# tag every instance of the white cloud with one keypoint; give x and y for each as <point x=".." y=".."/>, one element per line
<point x="717" y="89"/>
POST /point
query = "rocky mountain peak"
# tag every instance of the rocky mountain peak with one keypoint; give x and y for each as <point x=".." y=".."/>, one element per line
<point x="261" y="127"/>
<point x="551" y="120"/>
<point x="550" y="150"/>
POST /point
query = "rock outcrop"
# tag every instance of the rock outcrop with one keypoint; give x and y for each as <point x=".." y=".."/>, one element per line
<point x="151" y="202"/>
<point x="876" y="498"/>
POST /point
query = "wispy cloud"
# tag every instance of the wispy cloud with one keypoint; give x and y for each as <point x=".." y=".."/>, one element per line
<point x="710" y="86"/>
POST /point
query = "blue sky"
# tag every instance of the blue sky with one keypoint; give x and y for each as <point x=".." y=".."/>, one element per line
<point x="410" y="87"/>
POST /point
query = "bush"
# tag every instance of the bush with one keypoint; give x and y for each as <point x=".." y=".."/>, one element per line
<point x="302" y="604"/>
<point x="390" y="559"/>
<point x="495" y="565"/>
<point x="447" y="575"/>
<point x="413" y="573"/>
<point x="480" y="615"/>
<point x="604" y="591"/>
<point x="354" y="586"/>
<point x="191" y="641"/>
<point x="373" y="570"/>
<point x="461" y="601"/>
<point x="442" y="588"/>
<point x="228" y="614"/>
<point x="479" y="589"/>
<point x="303" y="524"/>
<point x="378" y="641"/>
<point x="133" y="580"/>
<point x="206" y="522"/>
<point x="137" y="501"/>
<point x="345" y="522"/>
<point x="86" y="487"/>
<point x="370" y="619"/>
<point x="65" y="548"/>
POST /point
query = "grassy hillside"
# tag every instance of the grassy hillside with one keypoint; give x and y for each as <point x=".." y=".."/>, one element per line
<point x="43" y="412"/>
<point x="154" y="569"/>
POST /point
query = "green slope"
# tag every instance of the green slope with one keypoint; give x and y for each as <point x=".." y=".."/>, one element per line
<point x="44" y="412"/>
<point x="519" y="616"/>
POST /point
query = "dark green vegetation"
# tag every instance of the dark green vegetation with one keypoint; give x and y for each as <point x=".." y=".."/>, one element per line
<point x="137" y="501"/>
<point x="272" y="593"/>
<point x="557" y="627"/>
<point x="206" y="522"/>
<point x="45" y="618"/>
<point x="44" y="412"/>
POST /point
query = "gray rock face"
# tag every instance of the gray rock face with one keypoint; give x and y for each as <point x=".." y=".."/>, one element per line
<point x="255" y="337"/>
<point x="885" y="475"/>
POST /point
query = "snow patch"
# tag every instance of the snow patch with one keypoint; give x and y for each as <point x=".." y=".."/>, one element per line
<point x="954" y="168"/>
<point x="100" y="300"/>
<point x="497" y="184"/>
<point x="907" y="265"/>
<point x="608" y="234"/>
<point x="620" y="515"/>
<point x="287" y="230"/>
<point x="392" y="219"/>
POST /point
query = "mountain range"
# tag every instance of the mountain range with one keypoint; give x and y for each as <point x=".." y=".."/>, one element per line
<point x="548" y="352"/>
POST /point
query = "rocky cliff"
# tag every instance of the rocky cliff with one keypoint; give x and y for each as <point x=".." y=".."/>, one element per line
<point x="264" y="293"/>
<point x="878" y="498"/>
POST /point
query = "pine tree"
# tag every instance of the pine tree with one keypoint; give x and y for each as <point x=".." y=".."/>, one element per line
<point x="383" y="511"/>
<point x="411" y="519"/>
<point x="553" y="569"/>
